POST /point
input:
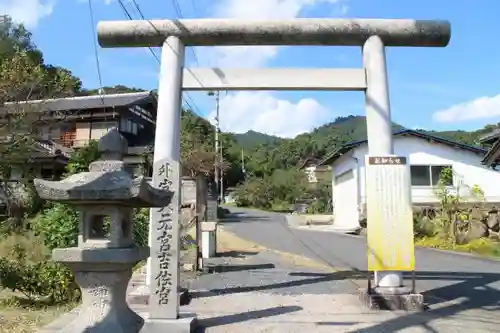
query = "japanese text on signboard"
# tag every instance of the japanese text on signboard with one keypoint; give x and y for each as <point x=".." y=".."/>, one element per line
<point x="387" y="160"/>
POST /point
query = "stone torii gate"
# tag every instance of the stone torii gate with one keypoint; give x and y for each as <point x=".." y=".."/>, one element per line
<point x="174" y="35"/>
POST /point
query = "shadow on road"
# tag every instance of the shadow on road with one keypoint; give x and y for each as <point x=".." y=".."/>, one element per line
<point x="244" y="289"/>
<point x="238" y="268"/>
<point x="466" y="291"/>
<point x="236" y="254"/>
<point x="231" y="218"/>
<point x="241" y="317"/>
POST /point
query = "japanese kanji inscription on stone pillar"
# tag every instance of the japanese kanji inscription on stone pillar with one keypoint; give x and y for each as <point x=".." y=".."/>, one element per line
<point x="165" y="245"/>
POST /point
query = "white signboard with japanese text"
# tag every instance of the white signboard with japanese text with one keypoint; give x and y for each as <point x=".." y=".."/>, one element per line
<point x="389" y="214"/>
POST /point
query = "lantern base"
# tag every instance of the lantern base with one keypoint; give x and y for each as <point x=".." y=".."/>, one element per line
<point x="103" y="276"/>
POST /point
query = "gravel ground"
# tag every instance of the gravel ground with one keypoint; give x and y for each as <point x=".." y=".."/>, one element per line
<point x="259" y="290"/>
<point x="273" y="287"/>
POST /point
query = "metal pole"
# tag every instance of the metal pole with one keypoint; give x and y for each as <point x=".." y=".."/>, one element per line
<point x="216" y="138"/>
<point x="221" y="160"/>
<point x="242" y="161"/>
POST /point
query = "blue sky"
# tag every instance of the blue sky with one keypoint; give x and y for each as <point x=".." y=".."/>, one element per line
<point x="433" y="88"/>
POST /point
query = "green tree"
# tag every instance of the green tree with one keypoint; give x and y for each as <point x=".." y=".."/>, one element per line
<point x="24" y="76"/>
<point x="118" y="89"/>
<point x="18" y="122"/>
<point x="81" y="158"/>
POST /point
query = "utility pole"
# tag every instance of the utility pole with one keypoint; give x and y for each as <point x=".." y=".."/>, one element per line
<point x="242" y="161"/>
<point x="217" y="154"/>
<point x="221" y="161"/>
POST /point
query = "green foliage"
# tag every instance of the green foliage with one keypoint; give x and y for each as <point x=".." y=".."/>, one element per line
<point x="58" y="225"/>
<point x="320" y="197"/>
<point x="481" y="246"/>
<point x="251" y="139"/>
<point x="24" y="76"/>
<point x="265" y="154"/>
<point x="118" y="89"/>
<point x="52" y="82"/>
<point x="450" y="225"/>
<point x="283" y="188"/>
<point x="25" y="267"/>
<point x="453" y="222"/>
<point x="141" y="227"/>
<point x="81" y="158"/>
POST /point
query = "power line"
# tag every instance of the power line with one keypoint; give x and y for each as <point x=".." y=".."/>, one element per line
<point x="122" y="5"/>
<point x="195" y="8"/>
<point x="96" y="51"/>
<point x="177" y="8"/>
<point x="195" y="109"/>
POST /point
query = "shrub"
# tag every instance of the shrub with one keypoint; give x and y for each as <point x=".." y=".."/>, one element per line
<point x="141" y="227"/>
<point x="282" y="189"/>
<point x="81" y="158"/>
<point x="58" y="226"/>
<point x="25" y="267"/>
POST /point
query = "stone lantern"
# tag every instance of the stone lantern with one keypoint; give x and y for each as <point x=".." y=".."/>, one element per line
<point x="105" y="197"/>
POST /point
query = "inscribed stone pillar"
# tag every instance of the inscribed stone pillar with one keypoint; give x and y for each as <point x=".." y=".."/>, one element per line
<point x="212" y="202"/>
<point x="163" y="272"/>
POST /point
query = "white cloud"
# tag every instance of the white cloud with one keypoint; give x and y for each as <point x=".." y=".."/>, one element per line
<point x="255" y="56"/>
<point x="479" y="108"/>
<point x="28" y="12"/>
<point x="263" y="112"/>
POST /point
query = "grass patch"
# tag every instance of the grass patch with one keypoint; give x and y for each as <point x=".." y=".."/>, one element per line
<point x="19" y="315"/>
<point x="482" y="246"/>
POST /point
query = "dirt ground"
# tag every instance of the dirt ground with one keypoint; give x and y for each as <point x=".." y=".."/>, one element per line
<point x="18" y="315"/>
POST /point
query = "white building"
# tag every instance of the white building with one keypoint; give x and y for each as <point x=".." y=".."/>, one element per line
<point x="314" y="171"/>
<point x="427" y="156"/>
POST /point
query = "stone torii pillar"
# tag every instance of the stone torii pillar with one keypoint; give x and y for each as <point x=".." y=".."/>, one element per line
<point x="174" y="35"/>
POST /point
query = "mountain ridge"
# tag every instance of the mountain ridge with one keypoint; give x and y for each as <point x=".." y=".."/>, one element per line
<point x="353" y="128"/>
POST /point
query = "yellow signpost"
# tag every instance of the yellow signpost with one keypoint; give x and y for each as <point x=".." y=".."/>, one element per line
<point x="389" y="214"/>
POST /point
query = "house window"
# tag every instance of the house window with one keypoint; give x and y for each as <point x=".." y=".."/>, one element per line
<point x="127" y="125"/>
<point x="428" y="175"/>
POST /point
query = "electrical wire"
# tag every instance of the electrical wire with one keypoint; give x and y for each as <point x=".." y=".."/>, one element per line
<point x="96" y="50"/>
<point x="177" y="8"/>
<point x="195" y="8"/>
<point x="136" y="5"/>
<point x="191" y="105"/>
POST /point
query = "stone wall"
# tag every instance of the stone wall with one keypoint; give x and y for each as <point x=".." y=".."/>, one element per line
<point x="484" y="219"/>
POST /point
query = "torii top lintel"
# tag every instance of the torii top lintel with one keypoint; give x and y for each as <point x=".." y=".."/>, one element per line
<point x="301" y="31"/>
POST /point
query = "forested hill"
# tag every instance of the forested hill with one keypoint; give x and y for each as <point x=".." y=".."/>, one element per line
<point x="251" y="139"/>
<point x="352" y="128"/>
<point x="286" y="153"/>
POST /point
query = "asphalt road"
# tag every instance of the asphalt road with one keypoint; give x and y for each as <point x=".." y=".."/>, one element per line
<point x="441" y="276"/>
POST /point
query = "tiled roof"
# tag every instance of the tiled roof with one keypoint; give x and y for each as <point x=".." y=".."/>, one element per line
<point x="89" y="102"/>
<point x="331" y="157"/>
